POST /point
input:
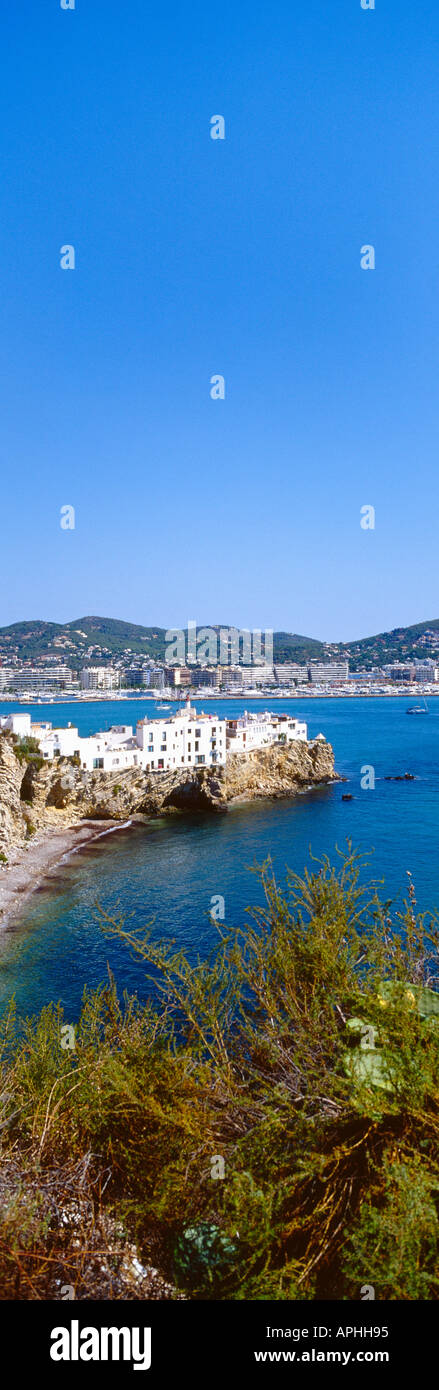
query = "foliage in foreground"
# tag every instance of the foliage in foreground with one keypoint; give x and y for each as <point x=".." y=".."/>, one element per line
<point x="240" y="1129"/>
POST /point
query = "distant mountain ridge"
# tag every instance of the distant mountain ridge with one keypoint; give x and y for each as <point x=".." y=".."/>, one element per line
<point x="95" y="640"/>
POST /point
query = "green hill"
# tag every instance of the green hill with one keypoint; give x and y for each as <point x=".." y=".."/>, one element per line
<point x="400" y="644"/>
<point x="84" y="639"/>
<point x="95" y="640"/>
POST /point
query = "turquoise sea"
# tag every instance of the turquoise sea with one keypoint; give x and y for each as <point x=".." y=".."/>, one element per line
<point x="167" y="872"/>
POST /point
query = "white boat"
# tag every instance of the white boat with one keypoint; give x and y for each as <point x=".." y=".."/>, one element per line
<point x="418" y="709"/>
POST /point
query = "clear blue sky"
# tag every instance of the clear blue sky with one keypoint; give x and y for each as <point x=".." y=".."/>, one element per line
<point x="240" y="257"/>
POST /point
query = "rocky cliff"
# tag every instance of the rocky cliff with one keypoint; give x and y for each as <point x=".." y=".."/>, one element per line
<point x="12" y="822"/>
<point x="33" y="797"/>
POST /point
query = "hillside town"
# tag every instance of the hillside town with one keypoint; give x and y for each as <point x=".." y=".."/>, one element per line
<point x="45" y="681"/>
<point x="186" y="739"/>
<point x="100" y="658"/>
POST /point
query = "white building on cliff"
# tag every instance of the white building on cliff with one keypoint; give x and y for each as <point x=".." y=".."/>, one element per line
<point x="186" y="739"/>
<point x="182" y="740"/>
<point x="259" y="730"/>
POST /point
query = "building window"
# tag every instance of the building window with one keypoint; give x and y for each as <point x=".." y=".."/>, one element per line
<point x="197" y="733"/>
<point x="98" y="762"/>
<point x="200" y="758"/>
<point x="161" y="763"/>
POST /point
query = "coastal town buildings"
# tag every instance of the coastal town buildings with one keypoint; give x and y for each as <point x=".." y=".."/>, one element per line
<point x="408" y="671"/>
<point x="209" y="678"/>
<point x="328" y="672"/>
<point x="100" y="678"/>
<point x="290" y="673"/>
<point x="35" y="678"/>
<point x="246" y="678"/>
<point x="366" y="678"/>
<point x="95" y="658"/>
<point x="135" y="677"/>
<point x="184" y="739"/>
<point x="400" y="671"/>
<point x="427" y="671"/>
<point x="156" y="678"/>
<point x="178" y="676"/>
<point x="331" y="676"/>
<point x="252" y="730"/>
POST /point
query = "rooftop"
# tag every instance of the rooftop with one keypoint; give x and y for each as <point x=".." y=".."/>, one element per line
<point x="186" y="711"/>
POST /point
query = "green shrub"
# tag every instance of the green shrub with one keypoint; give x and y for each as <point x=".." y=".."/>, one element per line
<point x="394" y="1241"/>
<point x="27" y="750"/>
<point x="231" y="1137"/>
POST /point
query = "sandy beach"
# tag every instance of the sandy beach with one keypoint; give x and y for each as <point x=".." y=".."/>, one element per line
<point x="34" y="862"/>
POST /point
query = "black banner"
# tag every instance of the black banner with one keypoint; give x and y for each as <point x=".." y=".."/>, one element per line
<point x="201" y="1340"/>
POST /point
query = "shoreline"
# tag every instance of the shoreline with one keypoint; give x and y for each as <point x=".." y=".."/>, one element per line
<point x="137" y="695"/>
<point x="33" y="863"/>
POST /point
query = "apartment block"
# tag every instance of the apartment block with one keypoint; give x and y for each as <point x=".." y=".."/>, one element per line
<point x="328" y="672"/>
<point x="100" y="678"/>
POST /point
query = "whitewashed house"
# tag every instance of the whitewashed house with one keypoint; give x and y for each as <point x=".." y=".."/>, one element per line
<point x="19" y="724"/>
<point x="186" y="739"/>
<point x="289" y="730"/>
<point x="182" y="740"/>
<point x="114" y="748"/>
<point x="57" y="743"/>
<point x="259" y="730"/>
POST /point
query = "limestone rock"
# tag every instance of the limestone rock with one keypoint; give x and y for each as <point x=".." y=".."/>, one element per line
<point x="13" y="827"/>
